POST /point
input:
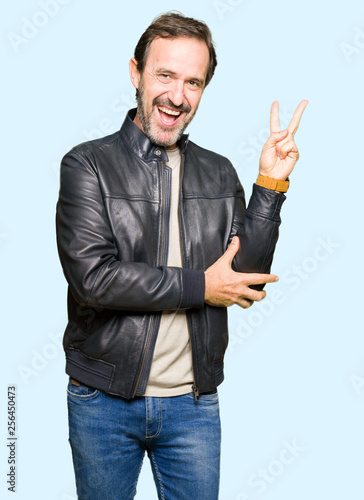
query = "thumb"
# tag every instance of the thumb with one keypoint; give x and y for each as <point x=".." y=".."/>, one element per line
<point x="232" y="249"/>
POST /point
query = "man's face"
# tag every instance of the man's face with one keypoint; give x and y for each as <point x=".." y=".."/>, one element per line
<point x="170" y="87"/>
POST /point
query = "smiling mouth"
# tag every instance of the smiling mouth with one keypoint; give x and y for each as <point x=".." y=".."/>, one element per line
<point x="169" y="117"/>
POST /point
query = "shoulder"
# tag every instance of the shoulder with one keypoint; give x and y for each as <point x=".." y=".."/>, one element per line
<point x="207" y="159"/>
<point x="92" y="154"/>
<point x="208" y="172"/>
<point x="95" y="145"/>
<point x="203" y="153"/>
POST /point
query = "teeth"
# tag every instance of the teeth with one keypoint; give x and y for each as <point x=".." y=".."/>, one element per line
<point x="169" y="111"/>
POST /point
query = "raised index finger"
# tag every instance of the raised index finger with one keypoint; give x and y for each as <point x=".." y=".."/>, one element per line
<point x="274" y="118"/>
<point x="259" y="279"/>
<point x="293" y="126"/>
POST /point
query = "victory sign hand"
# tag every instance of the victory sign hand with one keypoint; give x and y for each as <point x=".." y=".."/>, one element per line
<point x="280" y="153"/>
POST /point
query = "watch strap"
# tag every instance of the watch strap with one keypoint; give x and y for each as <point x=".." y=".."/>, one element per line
<point x="274" y="184"/>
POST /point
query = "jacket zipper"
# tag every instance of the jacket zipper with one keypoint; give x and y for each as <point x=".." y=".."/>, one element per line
<point x="154" y="324"/>
<point x="194" y="387"/>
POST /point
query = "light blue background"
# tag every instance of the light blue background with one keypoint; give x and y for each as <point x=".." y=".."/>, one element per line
<point x="295" y="366"/>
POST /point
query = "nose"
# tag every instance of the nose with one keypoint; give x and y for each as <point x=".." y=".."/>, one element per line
<point x="176" y="93"/>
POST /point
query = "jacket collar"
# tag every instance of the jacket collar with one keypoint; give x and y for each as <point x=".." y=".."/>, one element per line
<point x="141" y="144"/>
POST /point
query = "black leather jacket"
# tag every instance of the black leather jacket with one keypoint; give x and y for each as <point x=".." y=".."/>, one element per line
<point x="112" y="235"/>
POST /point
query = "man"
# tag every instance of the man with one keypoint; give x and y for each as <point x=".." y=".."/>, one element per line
<point x="155" y="243"/>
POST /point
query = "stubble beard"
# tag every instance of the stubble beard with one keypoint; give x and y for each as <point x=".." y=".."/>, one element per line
<point x="155" y="132"/>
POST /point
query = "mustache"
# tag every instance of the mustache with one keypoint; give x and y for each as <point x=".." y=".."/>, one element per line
<point x="158" y="101"/>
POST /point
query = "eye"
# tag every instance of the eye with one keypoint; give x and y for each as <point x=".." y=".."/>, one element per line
<point x="164" y="77"/>
<point x="194" y="85"/>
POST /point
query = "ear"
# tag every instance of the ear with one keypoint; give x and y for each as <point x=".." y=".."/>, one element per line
<point x="134" y="73"/>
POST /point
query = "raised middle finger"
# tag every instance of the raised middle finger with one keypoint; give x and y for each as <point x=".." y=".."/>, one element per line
<point x="293" y="125"/>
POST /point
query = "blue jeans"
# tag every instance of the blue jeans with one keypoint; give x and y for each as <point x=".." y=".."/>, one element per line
<point x="109" y="436"/>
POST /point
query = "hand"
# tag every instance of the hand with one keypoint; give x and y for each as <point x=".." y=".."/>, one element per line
<point x="280" y="153"/>
<point x="224" y="287"/>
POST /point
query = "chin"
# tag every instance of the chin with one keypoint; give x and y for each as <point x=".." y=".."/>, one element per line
<point x="166" y="139"/>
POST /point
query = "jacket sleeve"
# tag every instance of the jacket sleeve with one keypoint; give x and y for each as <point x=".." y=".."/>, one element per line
<point x="257" y="228"/>
<point x="96" y="274"/>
